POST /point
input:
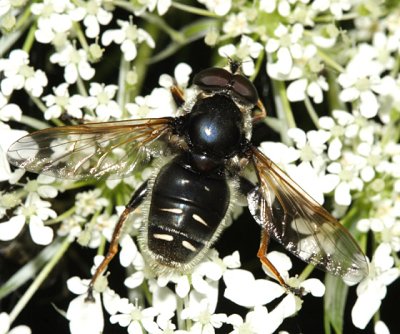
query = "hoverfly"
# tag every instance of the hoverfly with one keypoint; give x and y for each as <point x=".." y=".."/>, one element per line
<point x="204" y="153"/>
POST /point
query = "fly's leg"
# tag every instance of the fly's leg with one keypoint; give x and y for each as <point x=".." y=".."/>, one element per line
<point x="135" y="201"/>
<point x="260" y="114"/>
<point x="261" y="254"/>
<point x="178" y="95"/>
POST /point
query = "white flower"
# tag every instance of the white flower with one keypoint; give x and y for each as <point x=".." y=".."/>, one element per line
<point x="158" y="104"/>
<point x="134" y="317"/>
<point x="101" y="101"/>
<point x="336" y="7"/>
<point x="284" y="48"/>
<point x="347" y="177"/>
<point x="279" y="153"/>
<point x="243" y="289"/>
<point x="18" y="74"/>
<point x="246" y="51"/>
<point x="219" y="7"/>
<point x="71" y="227"/>
<point x="7" y="137"/>
<point x="167" y="327"/>
<point x="75" y="63"/>
<point x="5" y="325"/>
<point x="236" y="25"/>
<point x="62" y="102"/>
<point x="373" y="289"/>
<point x="150" y="5"/>
<point x="128" y="36"/>
<point x="36" y="212"/>
<point x="258" y="321"/>
<point x="89" y="202"/>
<point x="164" y="300"/>
<point x="205" y="318"/>
<point x="361" y="80"/>
<point x="84" y="316"/>
<point x="93" y="15"/>
<point x="282" y="6"/>
<point x="87" y="316"/>
<point x="298" y="89"/>
<point x="54" y="19"/>
<point x="311" y="144"/>
<point x="9" y="111"/>
<point x="381" y="328"/>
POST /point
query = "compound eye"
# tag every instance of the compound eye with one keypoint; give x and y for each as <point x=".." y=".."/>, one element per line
<point x="244" y="89"/>
<point x="212" y="79"/>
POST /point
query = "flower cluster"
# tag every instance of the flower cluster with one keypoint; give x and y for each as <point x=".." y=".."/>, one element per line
<point x="332" y="64"/>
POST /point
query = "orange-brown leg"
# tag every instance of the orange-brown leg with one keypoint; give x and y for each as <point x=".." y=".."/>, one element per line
<point x="259" y="114"/>
<point x="135" y="201"/>
<point x="261" y="254"/>
<point x="178" y="95"/>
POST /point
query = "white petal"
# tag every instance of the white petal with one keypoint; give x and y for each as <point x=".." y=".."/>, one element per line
<point x="381" y="328"/>
<point x="71" y="73"/>
<point x="135" y="328"/>
<point x="77" y="285"/>
<point x="314" y="286"/>
<point x="364" y="309"/>
<point x="85" y="70"/>
<point x="342" y="194"/>
<point x="182" y="74"/>
<point x="349" y="94"/>
<point x="296" y="90"/>
<point x="92" y="26"/>
<point x="164" y="300"/>
<point x="232" y="261"/>
<point x="280" y="260"/>
<point x="85" y="317"/>
<point x="129" y="50"/>
<point x="128" y="251"/>
<point x="272" y="45"/>
<point x="10" y="111"/>
<point x="134" y="280"/>
<point x="182" y="286"/>
<point x="335" y="149"/>
<point x="10" y="229"/>
<point x="111" y="301"/>
<point x="369" y="104"/>
<point x="285" y="61"/>
<point x="47" y="191"/>
<point x="244" y="290"/>
<point x="163" y="6"/>
<point x="41" y="235"/>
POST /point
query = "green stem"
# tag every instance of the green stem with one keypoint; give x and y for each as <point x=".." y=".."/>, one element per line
<point x="26" y="297"/>
<point x="141" y="60"/>
<point x="61" y="217"/>
<point x="24" y="19"/>
<point x="329" y="61"/>
<point x="311" y="112"/>
<point x="258" y="66"/>
<point x="81" y="36"/>
<point x="122" y="95"/>
<point x="333" y="93"/>
<point x="306" y="272"/>
<point x="193" y="10"/>
<point x="30" y="38"/>
<point x="163" y="26"/>
<point x="43" y="109"/>
<point x="283" y="109"/>
<point x="33" y="122"/>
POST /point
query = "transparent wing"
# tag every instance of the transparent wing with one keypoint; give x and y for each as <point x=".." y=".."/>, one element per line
<point x="93" y="150"/>
<point x="301" y="225"/>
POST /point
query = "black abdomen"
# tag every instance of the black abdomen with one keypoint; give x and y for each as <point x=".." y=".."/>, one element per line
<point x="186" y="209"/>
